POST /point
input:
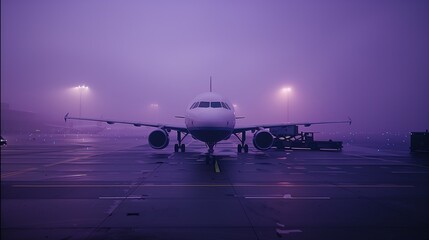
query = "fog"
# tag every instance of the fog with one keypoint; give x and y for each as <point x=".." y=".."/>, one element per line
<point x="367" y="60"/>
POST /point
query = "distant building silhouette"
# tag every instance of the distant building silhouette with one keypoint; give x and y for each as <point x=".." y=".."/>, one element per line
<point x="15" y="121"/>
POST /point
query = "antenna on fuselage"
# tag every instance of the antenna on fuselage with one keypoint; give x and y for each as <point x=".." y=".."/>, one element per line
<point x="210" y="83"/>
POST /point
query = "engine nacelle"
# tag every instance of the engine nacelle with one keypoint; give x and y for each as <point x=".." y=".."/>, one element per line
<point x="158" y="139"/>
<point x="263" y="140"/>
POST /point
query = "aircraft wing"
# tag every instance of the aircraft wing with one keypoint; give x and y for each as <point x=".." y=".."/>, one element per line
<point x="305" y="124"/>
<point x="136" y="124"/>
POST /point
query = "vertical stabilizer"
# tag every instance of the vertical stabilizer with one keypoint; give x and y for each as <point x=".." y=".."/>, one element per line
<point x="210" y="83"/>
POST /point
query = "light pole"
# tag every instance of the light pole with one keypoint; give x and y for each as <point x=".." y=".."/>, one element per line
<point x="81" y="88"/>
<point x="286" y="91"/>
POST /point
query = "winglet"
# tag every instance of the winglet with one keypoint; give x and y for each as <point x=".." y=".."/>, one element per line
<point x="350" y="121"/>
<point x="65" y="117"/>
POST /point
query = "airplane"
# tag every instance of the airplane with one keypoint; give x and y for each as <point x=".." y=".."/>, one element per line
<point x="209" y="118"/>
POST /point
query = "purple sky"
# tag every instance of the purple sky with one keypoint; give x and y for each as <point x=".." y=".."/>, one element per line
<point x="365" y="59"/>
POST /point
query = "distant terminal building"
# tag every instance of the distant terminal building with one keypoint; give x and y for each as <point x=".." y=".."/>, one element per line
<point x="15" y="121"/>
<point x="23" y="122"/>
<point x="419" y="142"/>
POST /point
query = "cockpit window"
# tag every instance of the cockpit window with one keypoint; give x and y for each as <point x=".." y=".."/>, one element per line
<point x="194" y="105"/>
<point x="210" y="104"/>
<point x="224" y="105"/>
<point x="204" y="104"/>
<point x="215" y="105"/>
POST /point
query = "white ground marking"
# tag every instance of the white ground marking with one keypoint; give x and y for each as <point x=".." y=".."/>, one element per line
<point x="288" y="196"/>
<point x="282" y="232"/>
<point x="119" y="197"/>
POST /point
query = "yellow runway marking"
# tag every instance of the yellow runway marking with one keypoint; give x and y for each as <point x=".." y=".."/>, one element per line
<point x="217" y="169"/>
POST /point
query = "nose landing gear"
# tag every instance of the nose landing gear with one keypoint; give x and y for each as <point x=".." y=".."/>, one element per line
<point x="211" y="158"/>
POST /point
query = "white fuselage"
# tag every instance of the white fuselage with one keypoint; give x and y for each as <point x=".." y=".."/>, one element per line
<point x="210" y="118"/>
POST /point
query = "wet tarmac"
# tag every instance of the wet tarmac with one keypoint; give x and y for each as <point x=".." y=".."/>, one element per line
<point x="94" y="187"/>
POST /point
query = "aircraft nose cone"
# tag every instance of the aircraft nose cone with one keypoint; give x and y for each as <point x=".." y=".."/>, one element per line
<point x="212" y="119"/>
<point x="206" y="121"/>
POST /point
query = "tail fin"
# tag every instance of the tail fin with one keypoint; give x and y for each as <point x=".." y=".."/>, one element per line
<point x="210" y="83"/>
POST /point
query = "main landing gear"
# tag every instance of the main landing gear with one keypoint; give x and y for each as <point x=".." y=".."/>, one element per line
<point x="180" y="146"/>
<point x="243" y="147"/>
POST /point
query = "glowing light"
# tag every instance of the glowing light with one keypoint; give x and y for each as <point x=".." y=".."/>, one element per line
<point x="82" y="87"/>
<point x="286" y="90"/>
<point x="154" y="105"/>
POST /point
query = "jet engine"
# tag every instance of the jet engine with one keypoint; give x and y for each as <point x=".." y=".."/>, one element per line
<point x="158" y="139"/>
<point x="263" y="140"/>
